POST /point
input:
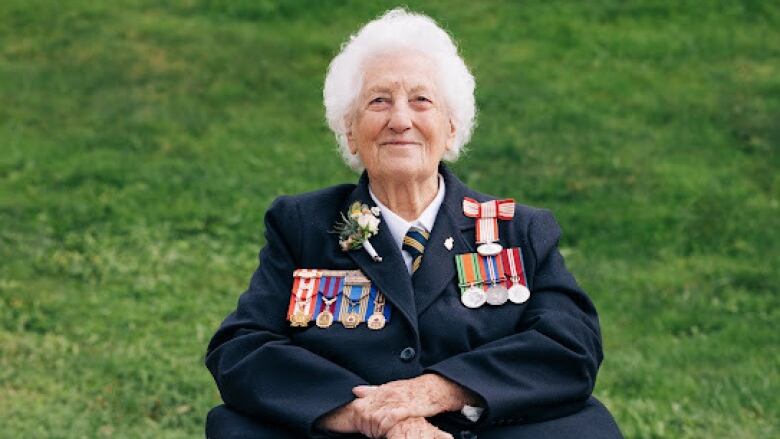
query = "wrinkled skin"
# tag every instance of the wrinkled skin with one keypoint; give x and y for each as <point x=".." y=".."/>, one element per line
<point x="383" y="411"/>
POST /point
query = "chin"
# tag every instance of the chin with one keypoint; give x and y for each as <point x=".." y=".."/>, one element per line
<point x="404" y="169"/>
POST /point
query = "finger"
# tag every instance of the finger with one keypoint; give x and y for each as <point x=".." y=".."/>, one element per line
<point x="442" y="435"/>
<point x="395" y="416"/>
<point x="399" y="431"/>
<point x="384" y="419"/>
<point x="361" y="391"/>
<point x="393" y="434"/>
<point x="377" y="419"/>
<point x="389" y="420"/>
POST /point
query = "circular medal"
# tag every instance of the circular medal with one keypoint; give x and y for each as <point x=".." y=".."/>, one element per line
<point x="489" y="249"/>
<point x="497" y="294"/>
<point x="376" y="321"/>
<point x="299" y="319"/>
<point x="325" y="319"/>
<point x="351" y="320"/>
<point x="473" y="297"/>
<point x="519" y="293"/>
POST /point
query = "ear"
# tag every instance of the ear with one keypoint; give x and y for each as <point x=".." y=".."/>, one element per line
<point x="351" y="141"/>
<point x="350" y="138"/>
<point x="451" y="135"/>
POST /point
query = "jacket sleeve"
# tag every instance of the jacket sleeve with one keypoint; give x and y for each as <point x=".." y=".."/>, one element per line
<point x="547" y="369"/>
<point x="258" y="370"/>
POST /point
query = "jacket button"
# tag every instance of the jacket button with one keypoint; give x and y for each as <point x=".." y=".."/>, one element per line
<point x="407" y="354"/>
<point x="466" y="434"/>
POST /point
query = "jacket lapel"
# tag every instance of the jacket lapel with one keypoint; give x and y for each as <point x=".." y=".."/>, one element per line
<point x="390" y="275"/>
<point x="437" y="268"/>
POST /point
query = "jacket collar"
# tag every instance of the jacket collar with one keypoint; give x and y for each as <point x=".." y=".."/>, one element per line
<point x="390" y="275"/>
<point x="437" y="268"/>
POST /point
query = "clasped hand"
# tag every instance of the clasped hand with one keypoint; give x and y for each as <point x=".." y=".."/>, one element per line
<point x="397" y="409"/>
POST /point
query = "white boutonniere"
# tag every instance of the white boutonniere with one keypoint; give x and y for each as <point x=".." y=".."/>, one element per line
<point x="355" y="228"/>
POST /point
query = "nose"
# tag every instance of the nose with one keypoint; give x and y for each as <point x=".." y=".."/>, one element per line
<point x="400" y="117"/>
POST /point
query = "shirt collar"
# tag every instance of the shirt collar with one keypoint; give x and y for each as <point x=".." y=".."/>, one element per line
<point x="399" y="226"/>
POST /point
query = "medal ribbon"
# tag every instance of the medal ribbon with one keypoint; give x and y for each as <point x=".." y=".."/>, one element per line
<point x="377" y="300"/>
<point x="491" y="267"/>
<point x="329" y="288"/>
<point x="469" y="272"/>
<point x="513" y="259"/>
<point x="479" y="270"/>
<point x="487" y="215"/>
<point x="354" y="300"/>
<point x="304" y="287"/>
<point x="462" y="280"/>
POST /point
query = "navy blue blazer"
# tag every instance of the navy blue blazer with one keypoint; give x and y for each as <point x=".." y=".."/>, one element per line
<point x="527" y="362"/>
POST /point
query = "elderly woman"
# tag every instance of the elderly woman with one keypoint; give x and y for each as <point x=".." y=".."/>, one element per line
<point x="433" y="311"/>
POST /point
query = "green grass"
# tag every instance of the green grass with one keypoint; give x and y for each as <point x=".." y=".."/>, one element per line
<point x="141" y="142"/>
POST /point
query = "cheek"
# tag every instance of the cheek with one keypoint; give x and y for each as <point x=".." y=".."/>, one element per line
<point x="432" y="125"/>
<point x="369" y="127"/>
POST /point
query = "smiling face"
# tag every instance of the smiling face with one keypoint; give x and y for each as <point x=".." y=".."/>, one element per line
<point x="400" y="128"/>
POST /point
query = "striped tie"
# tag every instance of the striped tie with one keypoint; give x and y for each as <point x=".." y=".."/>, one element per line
<point x="414" y="244"/>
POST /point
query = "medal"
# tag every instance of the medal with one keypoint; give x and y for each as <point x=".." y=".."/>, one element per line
<point x="354" y="299"/>
<point x="496" y="293"/>
<point x="299" y="318"/>
<point x="345" y="296"/>
<point x="473" y="297"/>
<point x="329" y="288"/>
<point x="489" y="249"/>
<point x="324" y="319"/>
<point x="377" y="319"/>
<point x="512" y="259"/>
<point x="351" y="320"/>
<point x="487" y="215"/>
<point x="304" y="286"/>
<point x="518" y="293"/>
<point x="470" y="280"/>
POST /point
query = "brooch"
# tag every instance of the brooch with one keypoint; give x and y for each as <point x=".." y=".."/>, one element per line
<point x="357" y="227"/>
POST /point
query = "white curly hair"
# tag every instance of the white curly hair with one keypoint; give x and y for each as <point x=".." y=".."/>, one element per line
<point x="399" y="28"/>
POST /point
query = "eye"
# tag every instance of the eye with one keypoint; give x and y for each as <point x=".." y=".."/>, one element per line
<point x="378" y="100"/>
<point x="422" y="99"/>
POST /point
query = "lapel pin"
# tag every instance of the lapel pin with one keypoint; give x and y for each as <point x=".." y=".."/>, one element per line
<point x="448" y="243"/>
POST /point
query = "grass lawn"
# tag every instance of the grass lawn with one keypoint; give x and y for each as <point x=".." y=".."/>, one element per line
<point x="141" y="142"/>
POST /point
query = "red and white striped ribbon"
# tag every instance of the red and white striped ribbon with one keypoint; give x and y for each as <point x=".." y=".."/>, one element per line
<point x="304" y="287"/>
<point x="487" y="215"/>
<point x="513" y="259"/>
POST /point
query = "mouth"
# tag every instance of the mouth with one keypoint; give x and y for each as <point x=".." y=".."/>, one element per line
<point x="399" y="143"/>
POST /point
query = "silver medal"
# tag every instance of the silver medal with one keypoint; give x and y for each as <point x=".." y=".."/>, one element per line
<point x="518" y="293"/>
<point x="497" y="294"/>
<point x="489" y="249"/>
<point x="473" y="297"/>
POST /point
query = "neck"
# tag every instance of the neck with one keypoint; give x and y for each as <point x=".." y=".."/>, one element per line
<point x="407" y="198"/>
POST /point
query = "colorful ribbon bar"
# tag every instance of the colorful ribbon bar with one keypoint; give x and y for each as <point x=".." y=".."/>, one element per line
<point x="501" y="277"/>
<point x="346" y="296"/>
